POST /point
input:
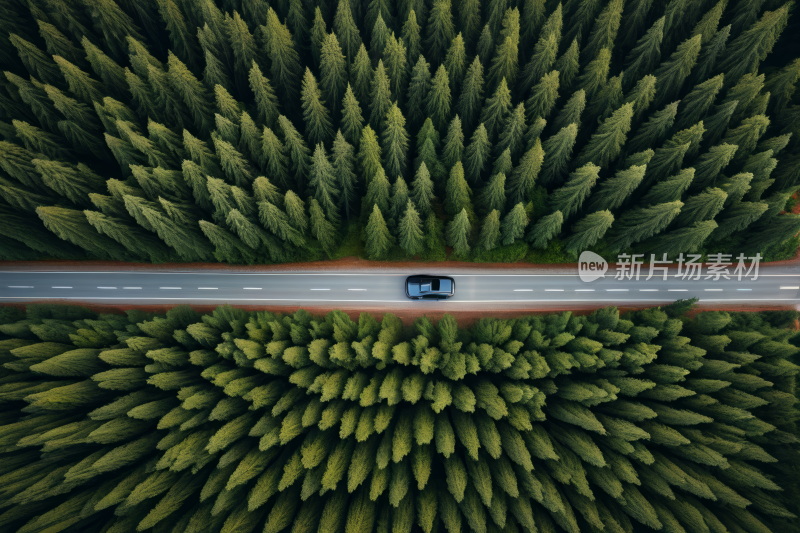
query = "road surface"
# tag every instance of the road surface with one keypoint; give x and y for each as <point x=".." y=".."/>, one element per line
<point x="474" y="289"/>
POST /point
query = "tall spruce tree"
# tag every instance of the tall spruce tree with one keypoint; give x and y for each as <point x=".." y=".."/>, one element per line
<point x="639" y="223"/>
<point x="587" y="231"/>
<point x="395" y="142"/>
<point x="569" y="198"/>
<point x="377" y="240"/>
<point x="514" y="224"/>
<point x="458" y="231"/>
<point x="409" y="230"/>
<point x="315" y="115"/>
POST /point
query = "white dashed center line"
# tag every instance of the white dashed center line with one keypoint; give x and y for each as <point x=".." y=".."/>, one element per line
<point x="648" y="290"/>
<point x="744" y="289"/>
<point x="584" y="290"/>
<point x="60" y="287"/>
<point x="523" y="290"/>
<point x="106" y="287"/>
<point x="320" y="289"/>
<point x="677" y="290"/>
<point x="132" y="288"/>
<point x="207" y="288"/>
<point x="713" y="290"/>
<point x="554" y="290"/>
<point x="617" y="290"/>
<point x="790" y="288"/>
<point x="169" y="288"/>
<point x="20" y="286"/>
<point x="356" y="289"/>
<point x="251" y="288"/>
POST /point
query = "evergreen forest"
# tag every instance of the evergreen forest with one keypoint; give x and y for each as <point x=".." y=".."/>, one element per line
<point x="243" y="422"/>
<point x="258" y="131"/>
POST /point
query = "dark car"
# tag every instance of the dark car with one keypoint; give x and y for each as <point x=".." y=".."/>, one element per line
<point x="430" y="287"/>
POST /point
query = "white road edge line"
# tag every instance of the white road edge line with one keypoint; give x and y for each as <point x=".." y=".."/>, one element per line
<point x="791" y="288"/>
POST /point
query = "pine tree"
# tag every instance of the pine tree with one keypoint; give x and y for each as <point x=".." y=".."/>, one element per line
<point x="380" y="97"/>
<point x="496" y="110"/>
<point x="493" y="196"/>
<point x="476" y="155"/>
<point x="655" y="130"/>
<point x="361" y="74"/>
<point x="710" y="164"/>
<point x="380" y="36"/>
<point x="455" y="62"/>
<point x="79" y="82"/>
<point x="543" y="96"/>
<point x="319" y="30"/>
<point x="471" y="97"/>
<point x="333" y="71"/>
<point x="411" y="37"/>
<point x="352" y="119"/>
<point x="544" y="57"/>
<point x="418" y="90"/>
<point x="640" y="223"/>
<point x="323" y="182"/>
<point x="570" y="197"/>
<point x="571" y="112"/>
<point x="595" y="74"/>
<point x="490" y="232"/>
<point x="369" y="154"/>
<point x="458" y="193"/>
<point x="699" y="207"/>
<point x="558" y="154"/>
<point x="378" y="240"/>
<point x="440" y="29"/>
<point x="606" y="100"/>
<point x="233" y="164"/>
<point x="321" y="228"/>
<point x="485" y="47"/>
<point x="781" y="86"/>
<point x="192" y="92"/>
<point x="641" y="96"/>
<point x="605" y="28"/>
<point x="422" y="191"/>
<point x="545" y="229"/>
<point x="523" y="178"/>
<point x="672" y="73"/>
<point x="71" y="225"/>
<point x="568" y="65"/>
<point x="242" y="43"/>
<point x="315" y="114"/>
<point x="396" y="65"/>
<point x="409" y="231"/>
<point x="670" y="189"/>
<point x="75" y="183"/>
<point x="612" y="192"/>
<point x="345" y="27"/>
<point x="395" y="142"/>
<point x="458" y="231"/>
<point x="606" y="144"/>
<point x="343" y="169"/>
<point x="646" y="54"/>
<point x="453" y="149"/>
<point x="378" y="193"/>
<point x="587" y="231"/>
<point x="275" y="160"/>
<point x="298" y="151"/>
<point x="710" y="53"/>
<point x="181" y="38"/>
<point x="746" y="136"/>
<point x="505" y="62"/>
<point x="437" y="102"/>
<point x="109" y="72"/>
<point x="737" y="217"/>
<point x="514" y="224"/>
<point x="58" y="44"/>
<point x="751" y="47"/>
<point x="512" y="136"/>
<point x="737" y="186"/>
<point x="35" y="61"/>
<point x="285" y="63"/>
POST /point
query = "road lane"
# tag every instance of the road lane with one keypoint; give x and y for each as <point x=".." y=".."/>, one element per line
<point x="773" y="286"/>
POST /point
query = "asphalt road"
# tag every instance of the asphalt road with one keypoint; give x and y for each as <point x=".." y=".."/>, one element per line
<point x="774" y="286"/>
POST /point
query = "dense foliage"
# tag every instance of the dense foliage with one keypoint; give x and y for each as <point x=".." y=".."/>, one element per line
<point x="239" y="422"/>
<point x="253" y="131"/>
